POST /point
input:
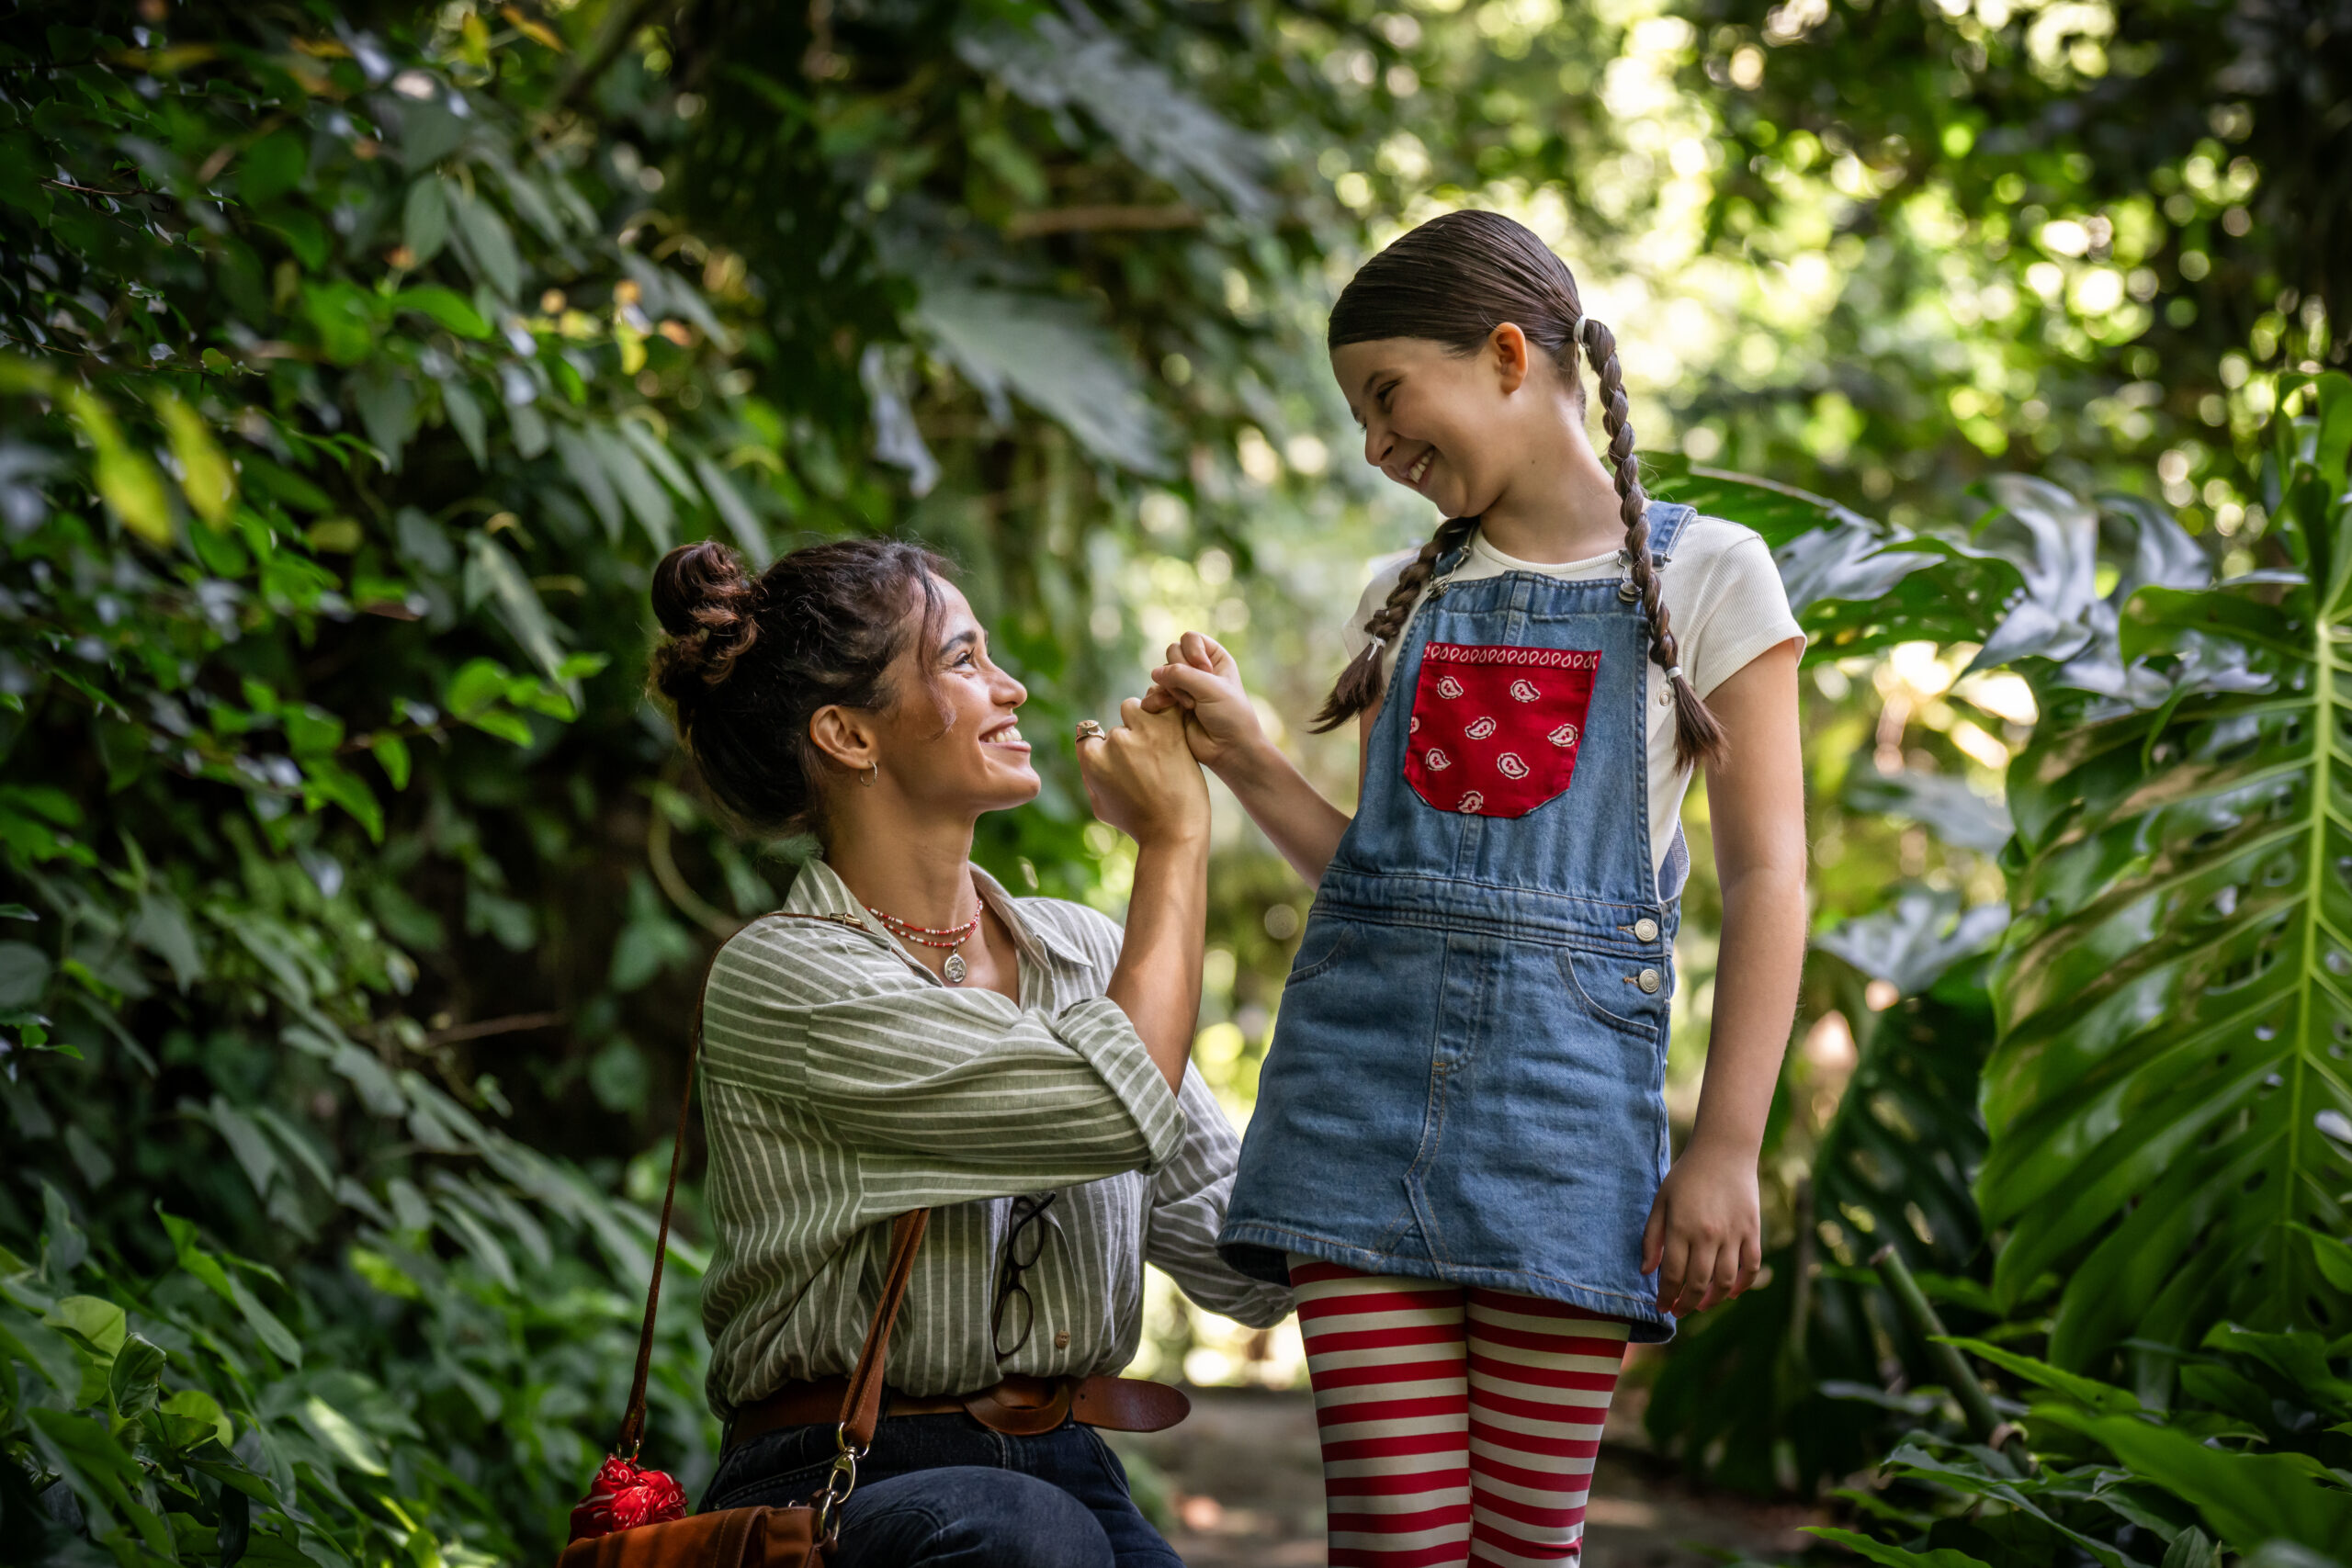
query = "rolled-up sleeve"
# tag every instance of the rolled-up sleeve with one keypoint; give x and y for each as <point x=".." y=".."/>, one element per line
<point x="962" y="1092"/>
<point x="1188" y="1202"/>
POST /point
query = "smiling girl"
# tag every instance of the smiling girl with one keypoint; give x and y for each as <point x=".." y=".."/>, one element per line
<point x="1460" y="1151"/>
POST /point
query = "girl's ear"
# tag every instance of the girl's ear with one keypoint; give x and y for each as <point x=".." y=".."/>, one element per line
<point x="1507" y="350"/>
<point x="846" y="736"/>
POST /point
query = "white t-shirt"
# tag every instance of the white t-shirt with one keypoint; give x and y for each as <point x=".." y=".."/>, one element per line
<point x="1719" y="584"/>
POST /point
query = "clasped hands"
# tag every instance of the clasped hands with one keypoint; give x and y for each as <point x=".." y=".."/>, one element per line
<point x="1144" y="777"/>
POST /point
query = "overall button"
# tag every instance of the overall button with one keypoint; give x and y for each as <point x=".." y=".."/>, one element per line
<point x="1645" y="929"/>
<point x="1648" y="981"/>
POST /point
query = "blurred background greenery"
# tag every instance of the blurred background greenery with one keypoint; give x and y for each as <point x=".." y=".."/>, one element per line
<point x="360" y="361"/>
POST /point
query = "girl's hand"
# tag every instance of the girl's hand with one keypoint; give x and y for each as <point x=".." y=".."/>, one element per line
<point x="1143" y="781"/>
<point x="1202" y="681"/>
<point x="1705" y="1237"/>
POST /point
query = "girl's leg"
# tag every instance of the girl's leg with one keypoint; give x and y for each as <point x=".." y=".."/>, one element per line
<point x="1540" y="1376"/>
<point x="1387" y="1356"/>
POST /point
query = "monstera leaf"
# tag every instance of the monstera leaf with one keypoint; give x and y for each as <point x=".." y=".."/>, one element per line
<point x="2171" y="1080"/>
<point x="1857" y="584"/>
<point x="1945" y="806"/>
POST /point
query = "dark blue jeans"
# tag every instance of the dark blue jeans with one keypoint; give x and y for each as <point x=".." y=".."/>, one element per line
<point x="945" y="1492"/>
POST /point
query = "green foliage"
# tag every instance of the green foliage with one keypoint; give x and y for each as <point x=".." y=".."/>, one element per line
<point x="2255" y="1462"/>
<point x="356" y="377"/>
<point x="361" y="362"/>
<point x="2125" y="224"/>
<point x="2170" y="872"/>
<point x="2168" y="1103"/>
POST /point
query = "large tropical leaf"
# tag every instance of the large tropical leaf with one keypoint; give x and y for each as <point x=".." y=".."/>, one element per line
<point x="1942" y="804"/>
<point x="2169" y="1093"/>
<point x="1856" y="583"/>
<point x="1056" y="357"/>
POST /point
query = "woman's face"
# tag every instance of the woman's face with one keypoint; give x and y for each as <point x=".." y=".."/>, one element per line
<point x="951" y="739"/>
<point x="1442" y="425"/>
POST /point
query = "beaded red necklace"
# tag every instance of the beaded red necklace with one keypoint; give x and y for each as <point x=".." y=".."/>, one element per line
<point x="949" y="938"/>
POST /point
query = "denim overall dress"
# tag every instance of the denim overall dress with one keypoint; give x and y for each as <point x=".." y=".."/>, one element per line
<point x="1467" y="1076"/>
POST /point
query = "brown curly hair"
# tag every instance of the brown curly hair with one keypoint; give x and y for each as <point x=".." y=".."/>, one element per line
<point x="748" y="661"/>
<point x="1453" y="281"/>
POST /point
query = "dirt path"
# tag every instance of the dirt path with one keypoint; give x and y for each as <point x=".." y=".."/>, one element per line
<point x="1246" y="1486"/>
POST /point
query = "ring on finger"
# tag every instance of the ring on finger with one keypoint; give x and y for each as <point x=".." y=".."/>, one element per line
<point x="1088" y="729"/>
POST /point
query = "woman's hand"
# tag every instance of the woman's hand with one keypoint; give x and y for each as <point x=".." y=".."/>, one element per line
<point x="1202" y="681"/>
<point x="1143" y="779"/>
<point x="1705" y="1234"/>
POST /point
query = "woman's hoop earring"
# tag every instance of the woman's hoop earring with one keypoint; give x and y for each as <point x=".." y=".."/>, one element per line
<point x="873" y="771"/>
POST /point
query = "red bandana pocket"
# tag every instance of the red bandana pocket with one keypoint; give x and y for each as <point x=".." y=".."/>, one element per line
<point x="1494" y="731"/>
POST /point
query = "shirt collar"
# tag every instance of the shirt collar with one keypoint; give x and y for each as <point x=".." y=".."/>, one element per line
<point x="1038" y="940"/>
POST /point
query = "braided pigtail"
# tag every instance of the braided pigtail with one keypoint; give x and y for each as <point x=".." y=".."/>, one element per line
<point x="1698" y="734"/>
<point x="1358" y="686"/>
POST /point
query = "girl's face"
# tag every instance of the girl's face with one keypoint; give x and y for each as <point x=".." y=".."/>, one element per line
<point x="951" y="741"/>
<point x="1443" y="424"/>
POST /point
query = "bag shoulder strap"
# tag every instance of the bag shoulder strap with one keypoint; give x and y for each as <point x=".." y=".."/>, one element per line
<point x="862" y="1408"/>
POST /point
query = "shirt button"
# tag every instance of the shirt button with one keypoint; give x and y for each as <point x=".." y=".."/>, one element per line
<point x="1645" y="929"/>
<point x="1647" y="980"/>
<point x="1061" y="1340"/>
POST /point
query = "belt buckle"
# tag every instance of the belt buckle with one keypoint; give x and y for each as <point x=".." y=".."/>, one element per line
<point x="991" y="1409"/>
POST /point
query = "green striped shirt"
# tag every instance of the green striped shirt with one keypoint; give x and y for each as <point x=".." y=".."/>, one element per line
<point x="844" y="1084"/>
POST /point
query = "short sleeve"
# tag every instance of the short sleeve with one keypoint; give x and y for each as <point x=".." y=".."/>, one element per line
<point x="1384" y="572"/>
<point x="1742" y="612"/>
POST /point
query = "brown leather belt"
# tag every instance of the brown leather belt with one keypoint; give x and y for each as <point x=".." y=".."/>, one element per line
<point x="1020" y="1406"/>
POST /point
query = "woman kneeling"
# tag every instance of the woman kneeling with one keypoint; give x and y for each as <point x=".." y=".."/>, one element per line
<point x="904" y="1034"/>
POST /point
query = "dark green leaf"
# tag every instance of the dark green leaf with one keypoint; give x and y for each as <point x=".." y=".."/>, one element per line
<point x="489" y="244"/>
<point x="447" y="306"/>
<point x="2187" y="910"/>
<point x="136" y="1378"/>
<point x="425" y="220"/>
<point x="272" y="167"/>
<point x="1895" y="1556"/>
<point x="345" y="317"/>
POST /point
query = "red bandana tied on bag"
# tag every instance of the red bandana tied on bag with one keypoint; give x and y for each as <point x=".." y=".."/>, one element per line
<point x="623" y="1497"/>
<point x="1494" y="729"/>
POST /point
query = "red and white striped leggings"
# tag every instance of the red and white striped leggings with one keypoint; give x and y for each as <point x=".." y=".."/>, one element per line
<point x="1459" y="1424"/>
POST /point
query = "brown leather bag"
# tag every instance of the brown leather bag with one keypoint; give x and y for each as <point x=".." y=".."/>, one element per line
<point x="800" y="1536"/>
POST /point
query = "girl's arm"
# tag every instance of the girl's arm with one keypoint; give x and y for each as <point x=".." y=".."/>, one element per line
<point x="1705" y="1236"/>
<point x="1201" y="678"/>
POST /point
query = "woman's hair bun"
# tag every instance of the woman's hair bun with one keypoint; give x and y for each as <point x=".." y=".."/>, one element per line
<point x="709" y="605"/>
<point x="750" y="661"/>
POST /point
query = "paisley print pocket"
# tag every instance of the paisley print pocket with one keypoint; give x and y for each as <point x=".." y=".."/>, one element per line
<point x="1494" y="731"/>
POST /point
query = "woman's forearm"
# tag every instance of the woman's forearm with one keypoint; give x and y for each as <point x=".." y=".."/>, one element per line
<point x="1158" y="982"/>
<point x="1289" y="810"/>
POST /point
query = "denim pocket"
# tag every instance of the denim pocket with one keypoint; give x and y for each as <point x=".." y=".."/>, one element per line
<point x="1326" y="942"/>
<point x="750" y="1487"/>
<point x="1596" y="978"/>
<point x="1114" y="1472"/>
<point x="1494" y="731"/>
<point x="772" y="1470"/>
